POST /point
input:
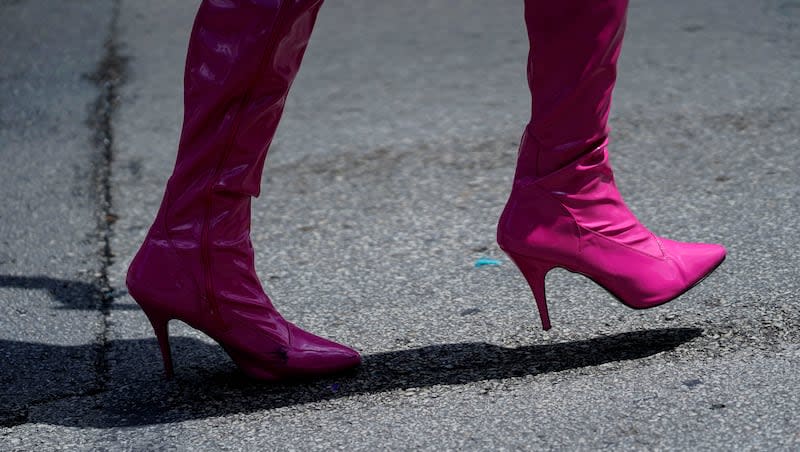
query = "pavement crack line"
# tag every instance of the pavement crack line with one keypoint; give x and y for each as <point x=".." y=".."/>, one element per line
<point x="108" y="76"/>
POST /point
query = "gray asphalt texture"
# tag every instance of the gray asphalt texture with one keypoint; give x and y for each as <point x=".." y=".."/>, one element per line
<point x="383" y="187"/>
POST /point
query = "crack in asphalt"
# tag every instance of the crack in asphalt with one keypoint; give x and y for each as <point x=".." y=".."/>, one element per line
<point x="107" y="76"/>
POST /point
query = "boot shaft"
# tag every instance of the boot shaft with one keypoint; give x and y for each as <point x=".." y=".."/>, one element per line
<point x="574" y="48"/>
<point x="243" y="57"/>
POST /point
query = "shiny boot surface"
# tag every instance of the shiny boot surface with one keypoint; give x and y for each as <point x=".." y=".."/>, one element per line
<point x="197" y="262"/>
<point x="564" y="209"/>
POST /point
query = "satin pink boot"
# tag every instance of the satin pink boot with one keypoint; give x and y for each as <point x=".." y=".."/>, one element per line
<point x="197" y="264"/>
<point x="564" y="209"/>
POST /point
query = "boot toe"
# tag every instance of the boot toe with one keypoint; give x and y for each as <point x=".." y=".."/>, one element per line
<point x="311" y="354"/>
<point x="697" y="260"/>
<point x="325" y="361"/>
<point x="705" y="257"/>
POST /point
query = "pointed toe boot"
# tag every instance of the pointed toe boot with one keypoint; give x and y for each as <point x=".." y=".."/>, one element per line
<point x="197" y="262"/>
<point x="564" y="209"/>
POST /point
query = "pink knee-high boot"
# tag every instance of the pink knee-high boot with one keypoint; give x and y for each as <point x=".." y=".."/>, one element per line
<point x="196" y="263"/>
<point x="564" y="209"/>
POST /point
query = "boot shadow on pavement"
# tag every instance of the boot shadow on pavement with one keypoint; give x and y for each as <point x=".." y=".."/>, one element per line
<point x="52" y="384"/>
<point x="71" y="294"/>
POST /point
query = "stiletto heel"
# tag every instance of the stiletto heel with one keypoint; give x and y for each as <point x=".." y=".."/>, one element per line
<point x="160" y="326"/>
<point x="534" y="272"/>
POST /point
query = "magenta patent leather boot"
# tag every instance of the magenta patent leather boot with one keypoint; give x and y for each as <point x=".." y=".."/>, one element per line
<point x="197" y="263"/>
<point x="564" y="209"/>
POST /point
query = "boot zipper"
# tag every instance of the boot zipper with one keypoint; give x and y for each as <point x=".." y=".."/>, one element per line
<point x="205" y="246"/>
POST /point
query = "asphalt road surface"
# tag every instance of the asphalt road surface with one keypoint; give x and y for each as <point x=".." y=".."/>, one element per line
<point x="382" y="189"/>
